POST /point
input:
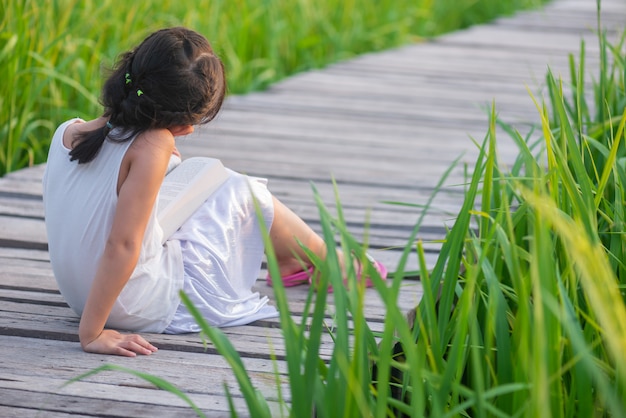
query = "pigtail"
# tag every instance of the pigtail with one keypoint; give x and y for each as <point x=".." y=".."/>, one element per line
<point x="85" y="147"/>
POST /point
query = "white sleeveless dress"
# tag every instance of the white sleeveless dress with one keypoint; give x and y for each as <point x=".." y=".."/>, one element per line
<point x="215" y="257"/>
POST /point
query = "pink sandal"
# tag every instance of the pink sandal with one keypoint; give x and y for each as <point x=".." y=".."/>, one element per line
<point x="306" y="276"/>
<point x="295" y="279"/>
<point x="380" y="267"/>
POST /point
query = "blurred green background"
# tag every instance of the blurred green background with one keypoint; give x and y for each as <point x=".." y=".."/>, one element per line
<point x="53" y="53"/>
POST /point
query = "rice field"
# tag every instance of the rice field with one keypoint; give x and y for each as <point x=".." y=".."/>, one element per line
<point x="53" y="55"/>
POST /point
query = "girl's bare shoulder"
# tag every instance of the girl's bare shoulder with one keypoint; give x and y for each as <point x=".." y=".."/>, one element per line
<point x="149" y="154"/>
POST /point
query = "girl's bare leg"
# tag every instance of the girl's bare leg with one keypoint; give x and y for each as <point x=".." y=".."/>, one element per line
<point x="287" y="232"/>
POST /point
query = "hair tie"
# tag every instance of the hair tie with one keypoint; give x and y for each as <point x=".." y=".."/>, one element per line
<point x="108" y="125"/>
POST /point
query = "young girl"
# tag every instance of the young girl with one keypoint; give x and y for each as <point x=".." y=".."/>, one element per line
<point x="100" y="188"/>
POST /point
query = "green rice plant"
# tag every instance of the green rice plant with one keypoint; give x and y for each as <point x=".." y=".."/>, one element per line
<point x="158" y="382"/>
<point x="340" y="385"/>
<point x="533" y="324"/>
<point x="53" y="54"/>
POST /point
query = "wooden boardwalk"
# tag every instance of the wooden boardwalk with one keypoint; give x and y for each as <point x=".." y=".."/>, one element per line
<point x="385" y="126"/>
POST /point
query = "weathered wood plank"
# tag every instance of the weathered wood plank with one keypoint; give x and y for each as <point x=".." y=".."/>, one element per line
<point x="24" y="255"/>
<point x="23" y="233"/>
<point x="24" y="183"/>
<point x="122" y="400"/>
<point x="56" y="363"/>
<point x="200" y="375"/>
<point x="27" y="403"/>
<point x="250" y="341"/>
<point x="21" y="208"/>
<point x="33" y="174"/>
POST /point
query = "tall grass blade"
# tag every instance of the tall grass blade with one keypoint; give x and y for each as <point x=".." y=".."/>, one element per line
<point x="255" y="402"/>
<point x="155" y="380"/>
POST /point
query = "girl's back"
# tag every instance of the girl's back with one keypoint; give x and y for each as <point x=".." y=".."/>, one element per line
<point x="80" y="202"/>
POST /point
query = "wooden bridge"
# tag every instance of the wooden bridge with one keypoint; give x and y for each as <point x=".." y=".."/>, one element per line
<point x="385" y="126"/>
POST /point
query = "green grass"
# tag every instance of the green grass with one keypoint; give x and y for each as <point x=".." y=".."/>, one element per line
<point x="52" y="54"/>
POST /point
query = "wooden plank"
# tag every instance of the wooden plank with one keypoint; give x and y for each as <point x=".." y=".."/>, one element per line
<point x="571" y="15"/>
<point x="25" y="254"/>
<point x="34" y="296"/>
<point x="262" y="339"/>
<point x="99" y="398"/>
<point x="28" y="403"/>
<point x="495" y="38"/>
<point x="567" y="21"/>
<point x="25" y="182"/>
<point x="21" y="208"/>
<point x="23" y="233"/>
<point x="69" y="366"/>
<point x="30" y="174"/>
<point x="250" y="341"/>
<point x="200" y="375"/>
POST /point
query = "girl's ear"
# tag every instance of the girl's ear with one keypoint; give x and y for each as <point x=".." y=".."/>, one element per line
<point x="181" y="130"/>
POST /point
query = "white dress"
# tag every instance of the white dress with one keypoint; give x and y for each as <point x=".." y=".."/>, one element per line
<point x="215" y="257"/>
<point x="222" y="253"/>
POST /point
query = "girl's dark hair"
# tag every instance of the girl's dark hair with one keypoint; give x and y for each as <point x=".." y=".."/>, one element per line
<point x="172" y="78"/>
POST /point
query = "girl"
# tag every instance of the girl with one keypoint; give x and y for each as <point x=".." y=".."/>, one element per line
<point x="100" y="187"/>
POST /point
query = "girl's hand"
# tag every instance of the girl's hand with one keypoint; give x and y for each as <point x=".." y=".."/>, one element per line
<point x="113" y="342"/>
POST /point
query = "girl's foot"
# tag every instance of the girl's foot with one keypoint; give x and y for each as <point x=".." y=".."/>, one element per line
<point x="308" y="275"/>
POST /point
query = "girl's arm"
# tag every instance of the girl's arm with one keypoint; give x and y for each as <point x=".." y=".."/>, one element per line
<point x="143" y="167"/>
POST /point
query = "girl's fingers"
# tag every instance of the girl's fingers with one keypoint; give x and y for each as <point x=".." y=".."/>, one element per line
<point x="119" y="351"/>
<point x="138" y="344"/>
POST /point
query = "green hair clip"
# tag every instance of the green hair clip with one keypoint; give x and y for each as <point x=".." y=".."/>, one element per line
<point x="139" y="93"/>
<point x="127" y="77"/>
